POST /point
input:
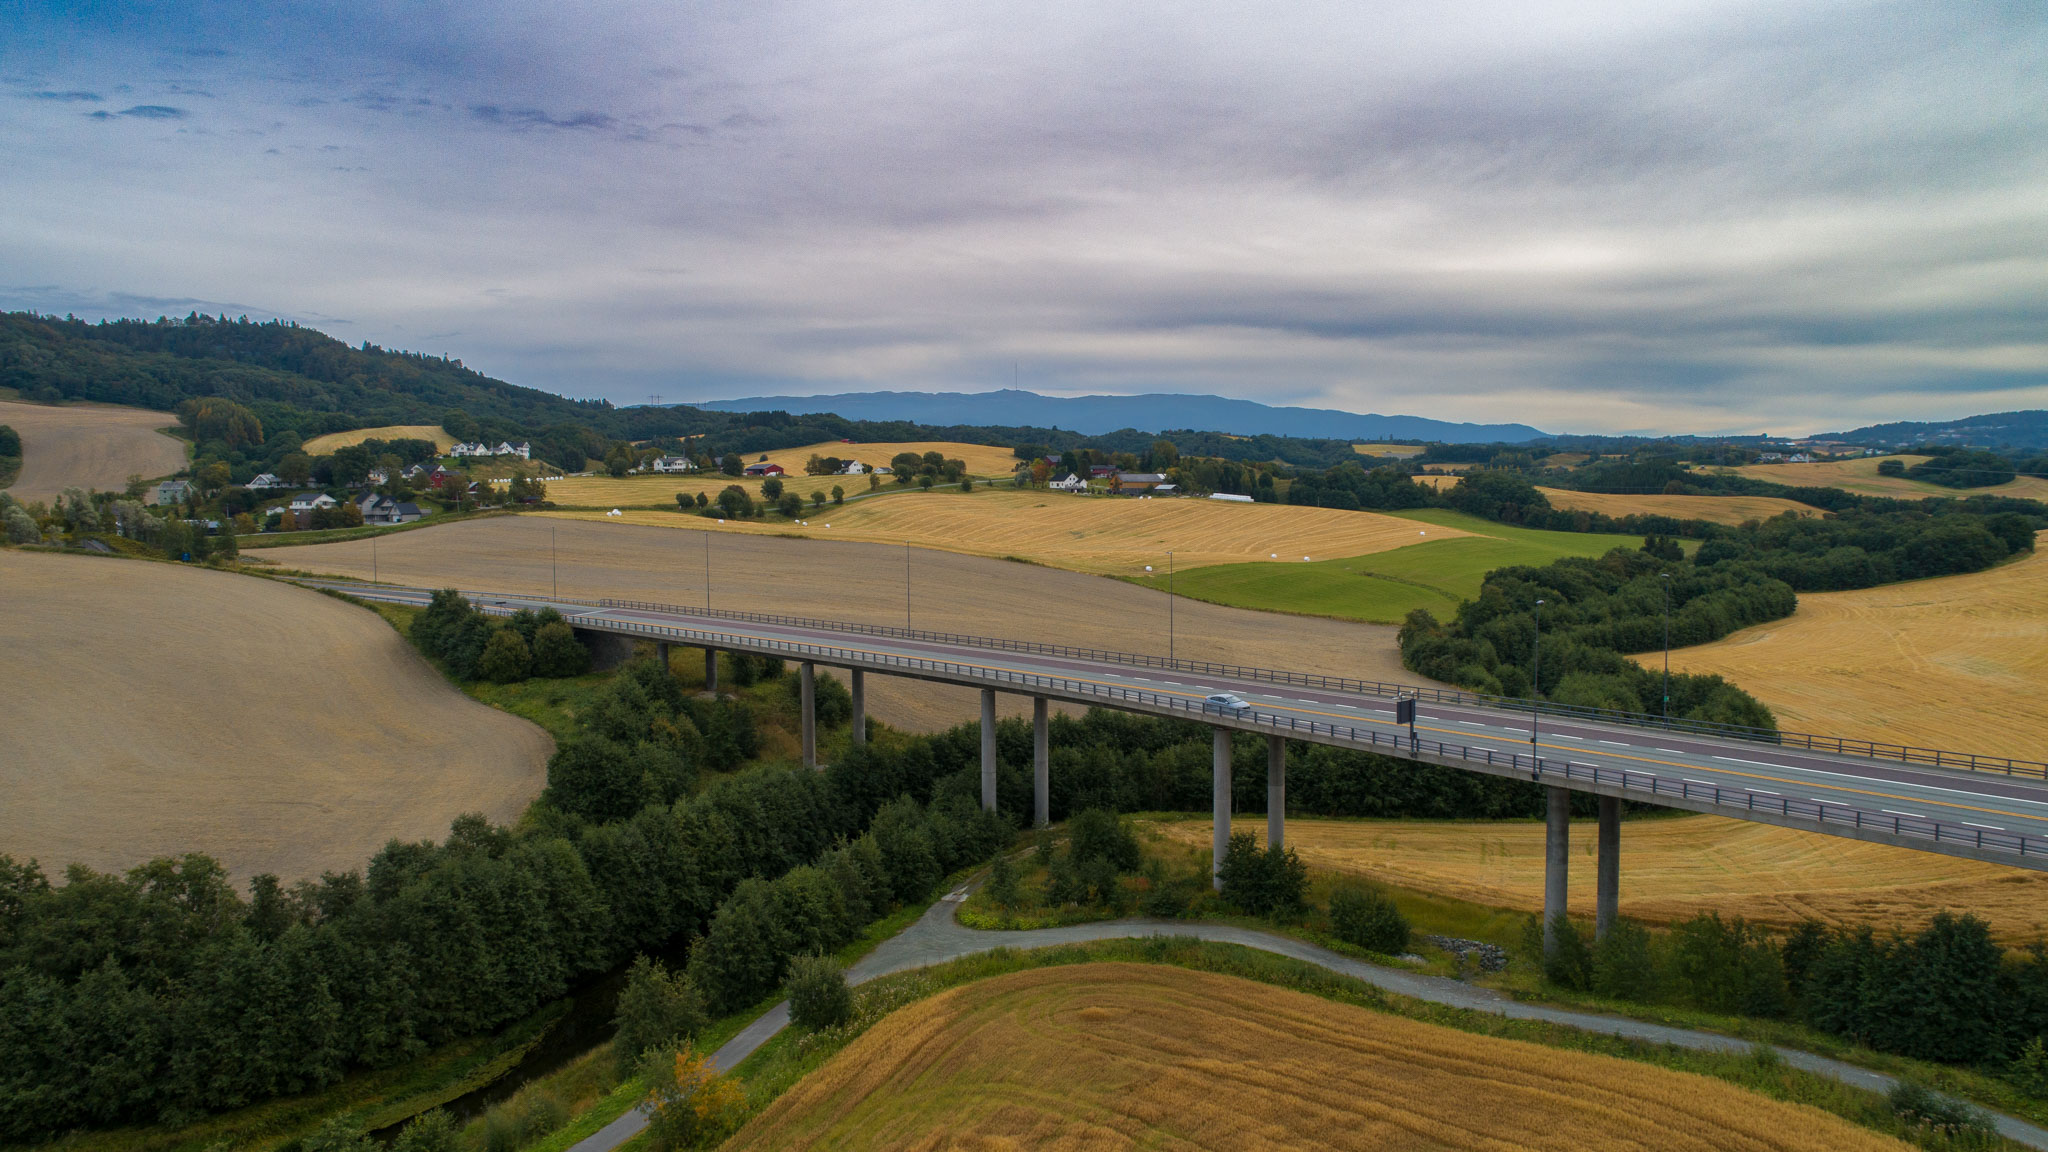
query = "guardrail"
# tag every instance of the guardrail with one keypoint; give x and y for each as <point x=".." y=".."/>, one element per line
<point x="1875" y="750"/>
<point x="1732" y="801"/>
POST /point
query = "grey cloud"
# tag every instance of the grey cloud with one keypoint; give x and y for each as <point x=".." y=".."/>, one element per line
<point x="74" y="97"/>
<point x="154" y="112"/>
<point x="535" y="118"/>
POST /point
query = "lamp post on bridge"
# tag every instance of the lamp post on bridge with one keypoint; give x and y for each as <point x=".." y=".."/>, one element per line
<point x="1536" y="685"/>
<point x="1169" y="605"/>
<point x="1666" y="577"/>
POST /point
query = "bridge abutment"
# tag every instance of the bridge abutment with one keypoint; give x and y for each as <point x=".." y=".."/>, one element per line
<point x="1557" y="858"/>
<point x="1608" y="901"/>
<point x="1276" y="792"/>
<point x="1041" y="764"/>
<point x="988" y="749"/>
<point x="1220" y="805"/>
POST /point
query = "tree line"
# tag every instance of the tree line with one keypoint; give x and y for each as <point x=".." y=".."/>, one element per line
<point x="162" y="993"/>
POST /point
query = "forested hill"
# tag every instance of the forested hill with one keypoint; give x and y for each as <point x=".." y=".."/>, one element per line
<point x="2026" y="431"/>
<point x="301" y="380"/>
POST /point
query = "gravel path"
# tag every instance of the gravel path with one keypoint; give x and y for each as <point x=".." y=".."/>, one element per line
<point x="937" y="937"/>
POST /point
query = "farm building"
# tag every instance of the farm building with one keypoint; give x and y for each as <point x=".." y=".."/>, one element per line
<point x="763" y="469"/>
<point x="264" y="480"/>
<point x="1072" y="483"/>
<point x="385" y="510"/>
<point x="673" y="464"/>
<point x="854" y="468"/>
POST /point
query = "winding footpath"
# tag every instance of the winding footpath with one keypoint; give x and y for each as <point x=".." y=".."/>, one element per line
<point x="937" y="937"/>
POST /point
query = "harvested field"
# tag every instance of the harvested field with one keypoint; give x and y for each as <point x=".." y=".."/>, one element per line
<point x="1395" y="451"/>
<point x="1860" y="475"/>
<point x="1715" y="509"/>
<point x="1098" y="534"/>
<point x="322" y="445"/>
<point x="1954" y="662"/>
<point x="659" y="491"/>
<point x="89" y="446"/>
<point x="1117" y="1055"/>
<point x="156" y="709"/>
<point x="1672" y="869"/>
<point x="859" y="582"/>
<point x="981" y="459"/>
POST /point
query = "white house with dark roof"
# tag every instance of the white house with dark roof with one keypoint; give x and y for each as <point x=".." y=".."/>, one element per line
<point x="673" y="464"/>
<point x="266" y="480"/>
<point x="173" y="491"/>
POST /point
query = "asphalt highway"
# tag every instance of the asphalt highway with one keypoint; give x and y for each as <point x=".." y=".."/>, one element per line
<point x="1759" y="776"/>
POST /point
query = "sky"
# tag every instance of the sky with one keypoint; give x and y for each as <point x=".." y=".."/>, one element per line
<point x="1709" y="216"/>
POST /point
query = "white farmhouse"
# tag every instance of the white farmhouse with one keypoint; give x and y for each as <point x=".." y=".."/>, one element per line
<point x="673" y="464"/>
<point x="1072" y="483"/>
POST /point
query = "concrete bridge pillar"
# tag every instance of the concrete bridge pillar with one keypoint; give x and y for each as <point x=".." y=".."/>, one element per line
<point x="711" y="671"/>
<point x="1608" y="901"/>
<point x="1276" y="792"/>
<point x="858" y="681"/>
<point x="1220" y="805"/>
<point x="988" y="749"/>
<point x="807" y="685"/>
<point x="1557" y="858"/>
<point x="1041" y="765"/>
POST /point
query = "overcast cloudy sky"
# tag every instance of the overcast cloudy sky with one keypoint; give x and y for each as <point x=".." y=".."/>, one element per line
<point x="1686" y="215"/>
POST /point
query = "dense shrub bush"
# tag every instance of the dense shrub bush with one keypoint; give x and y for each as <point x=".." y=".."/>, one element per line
<point x="817" y="991"/>
<point x="1262" y="881"/>
<point x="657" y="1009"/>
<point x="1366" y="917"/>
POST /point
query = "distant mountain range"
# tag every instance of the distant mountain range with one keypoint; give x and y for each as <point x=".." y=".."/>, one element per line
<point x="2024" y="430"/>
<point x="1097" y="415"/>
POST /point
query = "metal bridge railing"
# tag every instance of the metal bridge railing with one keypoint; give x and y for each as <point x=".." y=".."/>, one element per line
<point x="1840" y="745"/>
<point x="1650" y="784"/>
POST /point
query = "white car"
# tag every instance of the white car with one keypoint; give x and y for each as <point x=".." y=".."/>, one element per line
<point x="1225" y="702"/>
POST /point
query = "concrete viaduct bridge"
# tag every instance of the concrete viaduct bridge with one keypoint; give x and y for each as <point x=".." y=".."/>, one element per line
<point x="1979" y="807"/>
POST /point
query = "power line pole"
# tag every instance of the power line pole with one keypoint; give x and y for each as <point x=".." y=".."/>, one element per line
<point x="554" y="573"/>
<point x="1536" y="688"/>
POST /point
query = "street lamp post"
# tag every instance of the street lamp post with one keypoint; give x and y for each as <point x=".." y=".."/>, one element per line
<point x="1536" y="686"/>
<point x="554" y="579"/>
<point x="707" y="569"/>
<point x="1667" y="643"/>
<point x="1169" y="606"/>
<point x="906" y="588"/>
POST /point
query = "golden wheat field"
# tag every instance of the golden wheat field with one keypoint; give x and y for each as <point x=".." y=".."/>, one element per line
<point x="1119" y="1056"/>
<point x="322" y="445"/>
<point x="1860" y="475"/>
<point x="88" y="446"/>
<point x="602" y="492"/>
<point x="1715" y="509"/>
<point x="864" y="583"/>
<point x="158" y="709"/>
<point x="1671" y="869"/>
<point x="981" y="459"/>
<point x="1095" y="534"/>
<point x="1954" y="662"/>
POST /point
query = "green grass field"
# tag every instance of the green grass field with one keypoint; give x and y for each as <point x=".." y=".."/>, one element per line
<point x="1384" y="587"/>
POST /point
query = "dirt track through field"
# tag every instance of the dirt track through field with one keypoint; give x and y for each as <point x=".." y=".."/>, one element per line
<point x="1119" y="1055"/>
<point x="88" y="446"/>
<point x="1956" y="662"/>
<point x="1671" y="870"/>
<point x="159" y="709"/>
<point x="862" y="583"/>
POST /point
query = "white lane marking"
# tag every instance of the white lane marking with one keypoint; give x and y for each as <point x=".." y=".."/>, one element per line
<point x="1616" y="743"/>
<point x="1896" y="812"/>
<point x="1671" y="752"/>
<point x="1758" y="763"/>
<point x="1762" y="791"/>
<point x="1708" y="783"/>
<point x="1566" y="736"/>
<point x="1474" y="724"/>
<point x="1974" y="824"/>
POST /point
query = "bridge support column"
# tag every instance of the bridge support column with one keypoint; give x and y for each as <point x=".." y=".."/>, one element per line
<point x="1557" y="858"/>
<point x="988" y="749"/>
<point x="661" y="654"/>
<point x="1608" y="901"/>
<point x="860" y="705"/>
<point x="1220" y="805"/>
<point x="711" y="671"/>
<point x="1276" y="793"/>
<point x="1041" y="765"/>
<point x="807" y="684"/>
